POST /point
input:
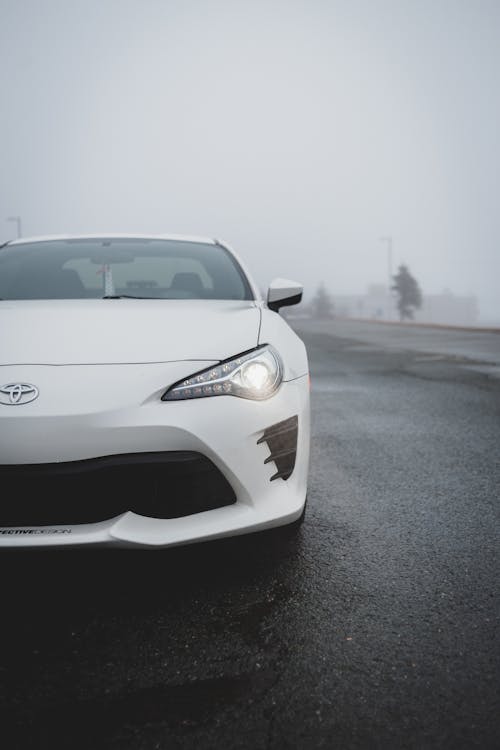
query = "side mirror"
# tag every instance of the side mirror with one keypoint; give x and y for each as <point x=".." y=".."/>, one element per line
<point x="283" y="292"/>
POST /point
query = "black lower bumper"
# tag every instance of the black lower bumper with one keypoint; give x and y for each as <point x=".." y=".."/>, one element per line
<point x="158" y="485"/>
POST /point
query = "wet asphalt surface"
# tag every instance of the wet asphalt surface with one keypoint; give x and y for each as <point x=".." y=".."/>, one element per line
<point x="376" y="626"/>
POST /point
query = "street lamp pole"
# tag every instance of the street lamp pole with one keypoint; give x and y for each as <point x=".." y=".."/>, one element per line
<point x="388" y="241"/>
<point x="17" y="219"/>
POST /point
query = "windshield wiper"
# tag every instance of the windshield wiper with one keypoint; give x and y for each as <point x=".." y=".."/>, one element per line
<point x="124" y="296"/>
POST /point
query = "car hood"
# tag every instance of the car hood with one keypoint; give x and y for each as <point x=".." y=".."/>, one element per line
<point x="60" y="332"/>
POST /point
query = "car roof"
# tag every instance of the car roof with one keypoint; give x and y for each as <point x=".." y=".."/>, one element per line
<point x="115" y="236"/>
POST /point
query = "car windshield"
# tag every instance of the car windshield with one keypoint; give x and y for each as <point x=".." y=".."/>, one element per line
<point x="142" y="268"/>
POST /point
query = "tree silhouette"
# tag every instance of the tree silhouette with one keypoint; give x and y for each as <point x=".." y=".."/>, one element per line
<point x="321" y="303"/>
<point x="408" y="291"/>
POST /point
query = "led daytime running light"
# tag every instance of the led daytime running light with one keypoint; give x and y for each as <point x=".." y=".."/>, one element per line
<point x="256" y="375"/>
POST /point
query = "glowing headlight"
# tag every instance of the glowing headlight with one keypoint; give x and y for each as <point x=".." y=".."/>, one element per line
<point x="256" y="375"/>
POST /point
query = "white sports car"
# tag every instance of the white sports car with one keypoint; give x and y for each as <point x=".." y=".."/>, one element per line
<point x="148" y="395"/>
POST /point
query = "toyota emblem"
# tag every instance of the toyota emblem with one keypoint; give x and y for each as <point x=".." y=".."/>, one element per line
<point x="13" y="394"/>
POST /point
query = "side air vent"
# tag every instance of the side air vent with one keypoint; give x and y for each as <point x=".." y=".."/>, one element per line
<point x="281" y="439"/>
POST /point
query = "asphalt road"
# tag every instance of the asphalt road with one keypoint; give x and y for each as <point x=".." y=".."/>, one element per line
<point x="376" y="627"/>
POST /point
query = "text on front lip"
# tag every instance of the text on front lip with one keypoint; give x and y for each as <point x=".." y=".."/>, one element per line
<point x="29" y="532"/>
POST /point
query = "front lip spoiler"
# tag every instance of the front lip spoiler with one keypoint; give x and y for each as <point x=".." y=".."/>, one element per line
<point x="131" y="530"/>
<point x="54" y="536"/>
<point x="28" y="531"/>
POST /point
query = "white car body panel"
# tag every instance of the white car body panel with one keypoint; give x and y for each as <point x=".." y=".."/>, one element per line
<point x="102" y="331"/>
<point x="276" y="331"/>
<point x="101" y="367"/>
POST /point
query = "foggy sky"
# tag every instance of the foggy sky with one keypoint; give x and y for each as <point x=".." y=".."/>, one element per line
<point x="300" y="132"/>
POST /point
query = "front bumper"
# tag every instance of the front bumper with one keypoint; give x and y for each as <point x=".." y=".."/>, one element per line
<point x="225" y="429"/>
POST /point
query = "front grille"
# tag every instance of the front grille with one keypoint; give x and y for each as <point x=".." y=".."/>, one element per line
<point x="281" y="439"/>
<point x="158" y="485"/>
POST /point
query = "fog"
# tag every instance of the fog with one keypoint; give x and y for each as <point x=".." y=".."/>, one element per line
<point x="300" y="132"/>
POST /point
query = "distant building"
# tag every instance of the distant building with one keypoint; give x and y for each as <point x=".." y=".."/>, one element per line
<point x="449" y="309"/>
<point x="377" y="304"/>
<point x="374" y="304"/>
